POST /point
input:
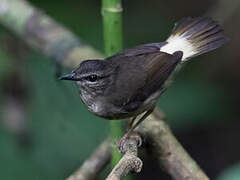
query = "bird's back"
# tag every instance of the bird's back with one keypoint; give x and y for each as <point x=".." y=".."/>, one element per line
<point x="141" y="76"/>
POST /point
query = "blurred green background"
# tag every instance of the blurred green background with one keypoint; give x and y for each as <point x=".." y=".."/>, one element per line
<point x="54" y="132"/>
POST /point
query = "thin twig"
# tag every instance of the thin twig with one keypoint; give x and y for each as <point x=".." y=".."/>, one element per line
<point x="92" y="166"/>
<point x="129" y="162"/>
<point x="168" y="151"/>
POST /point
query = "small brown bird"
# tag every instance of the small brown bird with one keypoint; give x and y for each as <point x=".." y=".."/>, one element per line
<point x="130" y="82"/>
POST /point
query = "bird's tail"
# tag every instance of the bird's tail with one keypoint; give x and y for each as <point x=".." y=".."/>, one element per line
<point x="194" y="36"/>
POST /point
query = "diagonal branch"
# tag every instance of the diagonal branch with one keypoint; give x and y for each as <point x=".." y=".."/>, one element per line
<point x="92" y="166"/>
<point x="168" y="151"/>
<point x="165" y="148"/>
<point x="129" y="162"/>
<point x="43" y="33"/>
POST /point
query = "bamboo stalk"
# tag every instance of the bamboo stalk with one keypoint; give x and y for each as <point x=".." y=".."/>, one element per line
<point x="112" y="24"/>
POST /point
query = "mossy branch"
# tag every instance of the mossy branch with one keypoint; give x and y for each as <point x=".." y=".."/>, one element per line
<point x="41" y="32"/>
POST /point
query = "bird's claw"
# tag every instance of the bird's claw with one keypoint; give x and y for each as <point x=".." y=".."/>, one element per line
<point x="133" y="135"/>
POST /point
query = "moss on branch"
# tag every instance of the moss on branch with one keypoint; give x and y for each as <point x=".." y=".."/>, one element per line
<point x="42" y="32"/>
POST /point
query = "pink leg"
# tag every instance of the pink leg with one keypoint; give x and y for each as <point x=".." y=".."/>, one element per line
<point x="130" y="131"/>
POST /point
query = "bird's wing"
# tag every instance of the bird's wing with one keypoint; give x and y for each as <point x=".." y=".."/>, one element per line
<point x="158" y="68"/>
<point x="139" y="50"/>
<point x="141" y="74"/>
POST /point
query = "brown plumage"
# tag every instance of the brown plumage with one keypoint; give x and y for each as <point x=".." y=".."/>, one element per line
<point x="130" y="82"/>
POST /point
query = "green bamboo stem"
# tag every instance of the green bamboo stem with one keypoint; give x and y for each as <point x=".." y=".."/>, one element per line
<point x="112" y="24"/>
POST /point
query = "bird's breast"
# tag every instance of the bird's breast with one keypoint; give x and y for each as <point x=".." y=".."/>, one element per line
<point x="100" y="106"/>
<point x="92" y="102"/>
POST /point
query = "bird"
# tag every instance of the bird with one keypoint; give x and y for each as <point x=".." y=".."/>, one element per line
<point x="130" y="82"/>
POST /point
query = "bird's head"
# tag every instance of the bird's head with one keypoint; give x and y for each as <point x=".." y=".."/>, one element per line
<point x="93" y="76"/>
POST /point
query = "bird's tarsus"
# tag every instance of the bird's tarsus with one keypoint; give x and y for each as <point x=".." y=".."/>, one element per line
<point x="129" y="135"/>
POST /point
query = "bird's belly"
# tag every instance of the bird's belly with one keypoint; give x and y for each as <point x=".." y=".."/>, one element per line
<point x="107" y="110"/>
<point x="114" y="112"/>
<point x="148" y="104"/>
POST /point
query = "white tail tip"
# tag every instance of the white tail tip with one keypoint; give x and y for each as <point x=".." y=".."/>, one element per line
<point x="195" y="36"/>
<point x="178" y="43"/>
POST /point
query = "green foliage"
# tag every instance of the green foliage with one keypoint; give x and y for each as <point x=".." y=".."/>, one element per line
<point x="5" y="63"/>
<point x="192" y="101"/>
<point x="59" y="129"/>
<point x="232" y="173"/>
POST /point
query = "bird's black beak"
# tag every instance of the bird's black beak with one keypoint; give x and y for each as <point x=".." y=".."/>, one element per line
<point x="71" y="76"/>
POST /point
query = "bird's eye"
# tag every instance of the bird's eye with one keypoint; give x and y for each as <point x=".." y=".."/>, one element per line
<point x="92" y="78"/>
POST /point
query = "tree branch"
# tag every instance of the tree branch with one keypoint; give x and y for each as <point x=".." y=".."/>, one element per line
<point x="92" y="166"/>
<point x="129" y="162"/>
<point x="168" y="151"/>
<point x="40" y="31"/>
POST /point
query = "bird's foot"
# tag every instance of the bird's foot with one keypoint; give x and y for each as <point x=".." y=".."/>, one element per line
<point x="132" y="135"/>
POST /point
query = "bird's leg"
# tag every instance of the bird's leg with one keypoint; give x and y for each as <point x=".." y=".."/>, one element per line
<point x="132" y="134"/>
<point x="140" y="120"/>
<point x="131" y="122"/>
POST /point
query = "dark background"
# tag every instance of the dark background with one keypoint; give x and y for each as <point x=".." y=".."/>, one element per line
<point x="54" y="132"/>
